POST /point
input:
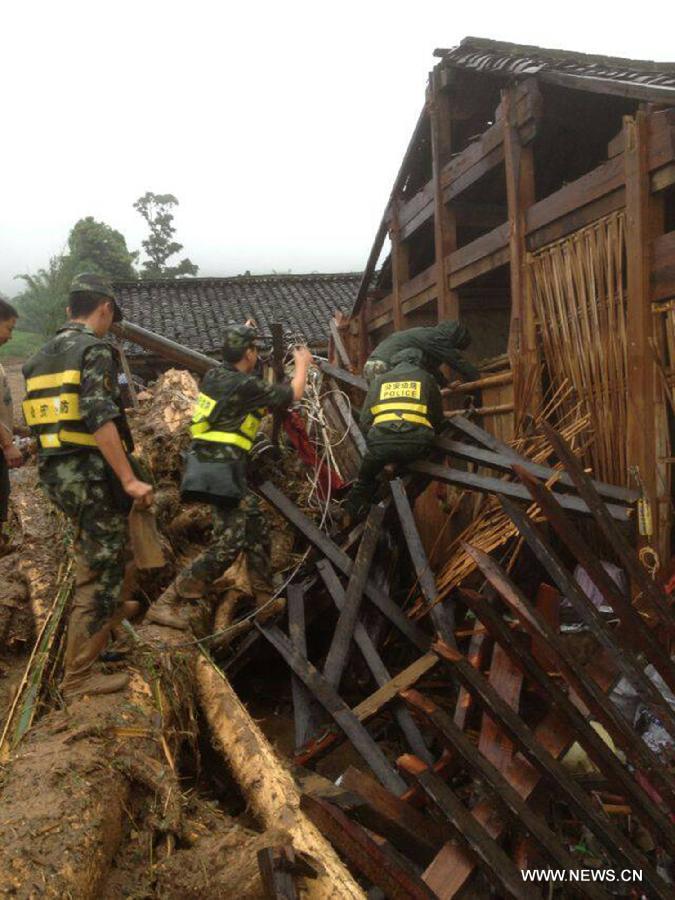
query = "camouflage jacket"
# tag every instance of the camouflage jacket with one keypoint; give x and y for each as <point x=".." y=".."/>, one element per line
<point x="236" y="394"/>
<point x="439" y="343"/>
<point x="99" y="403"/>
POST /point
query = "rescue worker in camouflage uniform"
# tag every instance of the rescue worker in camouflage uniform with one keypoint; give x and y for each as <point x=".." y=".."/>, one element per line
<point x="73" y="408"/>
<point x="227" y="416"/>
<point x="440" y="344"/>
<point x="401" y="415"/>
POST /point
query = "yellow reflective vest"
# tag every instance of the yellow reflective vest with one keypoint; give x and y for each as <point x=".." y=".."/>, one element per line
<point x="399" y="400"/>
<point x="241" y="435"/>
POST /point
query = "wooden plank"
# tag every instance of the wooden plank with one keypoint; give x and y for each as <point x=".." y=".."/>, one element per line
<point x="507" y="680"/>
<point x="476" y="654"/>
<point x="601" y="181"/>
<point x="340" y="348"/>
<point x="338" y="651"/>
<point x="491" y="775"/>
<point x="663" y="267"/>
<point x="445" y="223"/>
<point x="617" y="540"/>
<point x="374" y="662"/>
<point x="640" y="374"/>
<point x="487" y="485"/>
<point x="576" y="219"/>
<point x="363" y="852"/>
<point x="302" y="706"/>
<point x="483" y="246"/>
<point x="355" y="432"/>
<point x="417" y="835"/>
<point x="619" y="847"/>
<point x="336" y="707"/>
<point x="441" y="615"/>
<point x="405" y="679"/>
<point x="279" y="884"/>
<point x="400" y="265"/>
<point x="496" y="864"/>
<point x="343" y="563"/>
<point x="342" y="375"/>
<point x="634" y="625"/>
<point x="619" y="728"/>
<point x="604" y="758"/>
<point x="501" y="463"/>
<point x="483" y="437"/>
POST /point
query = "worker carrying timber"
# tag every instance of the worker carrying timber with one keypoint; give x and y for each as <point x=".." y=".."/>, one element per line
<point x="228" y="412"/>
<point x="440" y="344"/>
<point x="74" y="410"/>
<point x="401" y="415"/>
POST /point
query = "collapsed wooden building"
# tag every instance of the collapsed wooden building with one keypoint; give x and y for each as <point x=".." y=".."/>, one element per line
<point x="494" y="641"/>
<point x="536" y="200"/>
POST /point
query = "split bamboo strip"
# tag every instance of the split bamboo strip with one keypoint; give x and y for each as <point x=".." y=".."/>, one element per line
<point x="579" y="296"/>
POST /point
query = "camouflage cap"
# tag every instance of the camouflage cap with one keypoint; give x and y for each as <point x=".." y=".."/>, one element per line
<point x="236" y="341"/>
<point x="91" y="283"/>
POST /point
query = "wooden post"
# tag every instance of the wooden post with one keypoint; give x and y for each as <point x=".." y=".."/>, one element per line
<point x="641" y="430"/>
<point x="520" y="194"/>
<point x="400" y="266"/>
<point x="445" y="227"/>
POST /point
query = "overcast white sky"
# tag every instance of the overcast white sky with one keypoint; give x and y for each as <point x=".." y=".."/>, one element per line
<point x="278" y="125"/>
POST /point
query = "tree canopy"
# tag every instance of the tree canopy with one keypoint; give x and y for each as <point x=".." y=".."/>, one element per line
<point x="160" y="245"/>
<point x="92" y="247"/>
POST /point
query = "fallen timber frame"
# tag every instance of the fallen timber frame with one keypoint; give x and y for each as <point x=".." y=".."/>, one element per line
<point x="385" y="869"/>
<point x="587" y="689"/>
<point x="496" y="864"/>
<point x="336" y="707"/>
<point x="374" y="662"/>
<point x="487" y="485"/>
<point x="488" y="773"/>
<point x="343" y="563"/>
<point x="635" y="629"/>
<point x="618" y="846"/>
<point x="605" y="759"/>
<point x="619" y="653"/>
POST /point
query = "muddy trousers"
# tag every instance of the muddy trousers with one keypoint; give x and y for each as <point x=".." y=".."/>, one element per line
<point x="104" y="573"/>
<point x="242" y="529"/>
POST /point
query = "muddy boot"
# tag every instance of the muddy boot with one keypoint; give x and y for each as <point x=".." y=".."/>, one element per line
<point x="170" y="610"/>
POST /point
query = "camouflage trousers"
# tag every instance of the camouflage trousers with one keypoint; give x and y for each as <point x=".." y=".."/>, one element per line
<point x="240" y="529"/>
<point x="374" y="367"/>
<point x="100" y="544"/>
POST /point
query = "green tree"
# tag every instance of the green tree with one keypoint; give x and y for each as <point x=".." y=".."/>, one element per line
<point x="92" y="247"/>
<point x="96" y="247"/>
<point x="160" y="243"/>
<point x="42" y="304"/>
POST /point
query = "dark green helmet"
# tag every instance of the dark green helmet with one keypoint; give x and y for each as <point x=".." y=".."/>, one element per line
<point x="237" y="340"/>
<point x="91" y="283"/>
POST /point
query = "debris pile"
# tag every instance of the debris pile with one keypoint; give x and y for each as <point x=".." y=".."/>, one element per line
<point x="446" y="703"/>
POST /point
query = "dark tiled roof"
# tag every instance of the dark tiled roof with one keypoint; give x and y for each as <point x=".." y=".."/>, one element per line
<point x="497" y="56"/>
<point x="193" y="311"/>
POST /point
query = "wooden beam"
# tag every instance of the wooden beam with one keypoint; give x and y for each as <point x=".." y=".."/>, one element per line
<point x="663" y="267"/>
<point x="641" y="637"/>
<point x="487" y="485"/>
<point x="520" y="193"/>
<point x="602" y="755"/>
<point x="619" y="847"/>
<point x="445" y="225"/>
<point x="440" y="614"/>
<point x="490" y="775"/>
<point x="302" y="703"/>
<point x="374" y="662"/>
<point x="400" y="265"/>
<point x="496" y="864"/>
<point x="343" y="375"/>
<point x="343" y="563"/>
<point x="417" y="835"/>
<point x="576" y="219"/>
<point x="651" y="93"/>
<point x="485" y="439"/>
<point x="362" y="742"/>
<point x="640" y="375"/>
<point x="405" y="679"/>
<point x="620" y="729"/>
<point x="363" y="851"/>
